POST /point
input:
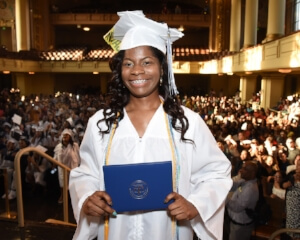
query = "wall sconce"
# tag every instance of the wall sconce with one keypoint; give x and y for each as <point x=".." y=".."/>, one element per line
<point x="284" y="70"/>
<point x="181" y="28"/>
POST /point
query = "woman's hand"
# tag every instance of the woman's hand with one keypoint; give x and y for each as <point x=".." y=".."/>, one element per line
<point x="181" y="208"/>
<point x="98" y="204"/>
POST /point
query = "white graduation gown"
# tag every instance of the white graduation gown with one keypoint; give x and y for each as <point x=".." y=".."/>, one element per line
<point x="204" y="179"/>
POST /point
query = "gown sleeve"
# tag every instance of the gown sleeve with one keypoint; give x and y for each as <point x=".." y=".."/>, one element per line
<point x="87" y="178"/>
<point x="210" y="180"/>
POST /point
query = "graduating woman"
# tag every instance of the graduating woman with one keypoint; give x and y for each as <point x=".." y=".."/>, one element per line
<point x="144" y="122"/>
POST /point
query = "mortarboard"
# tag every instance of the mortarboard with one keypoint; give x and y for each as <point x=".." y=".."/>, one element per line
<point x="70" y="121"/>
<point x="69" y="132"/>
<point x="133" y="29"/>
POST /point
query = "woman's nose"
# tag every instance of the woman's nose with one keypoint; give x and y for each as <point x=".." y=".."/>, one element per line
<point x="136" y="70"/>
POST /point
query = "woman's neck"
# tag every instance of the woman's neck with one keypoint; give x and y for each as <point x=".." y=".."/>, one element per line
<point x="147" y="103"/>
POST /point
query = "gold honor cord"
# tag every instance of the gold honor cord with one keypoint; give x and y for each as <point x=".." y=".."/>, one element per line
<point x="174" y="172"/>
<point x="106" y="221"/>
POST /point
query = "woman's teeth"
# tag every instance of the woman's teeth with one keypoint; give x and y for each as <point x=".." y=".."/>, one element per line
<point x="139" y="81"/>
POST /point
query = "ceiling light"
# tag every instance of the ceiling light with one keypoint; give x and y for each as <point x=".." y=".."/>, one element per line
<point x="248" y="73"/>
<point x="284" y="70"/>
<point x="6" y="72"/>
<point x="31" y="73"/>
<point x="95" y="72"/>
<point x="86" y="29"/>
<point x="181" y="28"/>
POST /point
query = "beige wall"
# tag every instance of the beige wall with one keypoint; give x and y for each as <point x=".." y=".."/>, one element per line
<point x="34" y="84"/>
<point x="50" y="83"/>
<point x="80" y="82"/>
<point x="229" y="84"/>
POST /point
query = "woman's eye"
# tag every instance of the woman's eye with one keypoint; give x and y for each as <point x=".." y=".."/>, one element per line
<point x="147" y="63"/>
<point x="127" y="64"/>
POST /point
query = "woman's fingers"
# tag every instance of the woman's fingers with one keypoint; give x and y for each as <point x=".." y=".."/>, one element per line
<point x="98" y="204"/>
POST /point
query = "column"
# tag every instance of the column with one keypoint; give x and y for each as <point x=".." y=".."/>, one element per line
<point x="103" y="83"/>
<point x="247" y="87"/>
<point x="235" y="26"/>
<point x="251" y="15"/>
<point x="271" y="90"/>
<point x="276" y="19"/>
<point x="22" y="25"/>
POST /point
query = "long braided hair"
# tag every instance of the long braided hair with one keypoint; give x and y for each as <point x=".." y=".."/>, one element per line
<point x="119" y="96"/>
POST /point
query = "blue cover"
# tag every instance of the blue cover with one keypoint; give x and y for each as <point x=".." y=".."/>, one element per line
<point x="142" y="186"/>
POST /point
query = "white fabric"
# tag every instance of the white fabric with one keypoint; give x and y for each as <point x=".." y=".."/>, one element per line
<point x="204" y="179"/>
<point x="133" y="29"/>
<point x="68" y="156"/>
<point x="279" y="192"/>
<point x="38" y="170"/>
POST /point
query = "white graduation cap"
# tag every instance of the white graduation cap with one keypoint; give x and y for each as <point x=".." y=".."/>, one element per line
<point x="6" y="124"/>
<point x="79" y="125"/>
<point x="244" y="126"/>
<point x="133" y="29"/>
<point x="70" y="121"/>
<point x="69" y="132"/>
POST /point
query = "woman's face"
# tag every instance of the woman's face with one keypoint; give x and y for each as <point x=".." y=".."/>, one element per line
<point x="66" y="139"/>
<point x="269" y="161"/>
<point x="278" y="177"/>
<point x="243" y="155"/>
<point x="141" y="71"/>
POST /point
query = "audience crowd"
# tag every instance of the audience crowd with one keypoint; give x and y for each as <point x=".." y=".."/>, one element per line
<point x="244" y="131"/>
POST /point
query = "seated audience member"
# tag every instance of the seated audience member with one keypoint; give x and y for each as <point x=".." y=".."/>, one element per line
<point x="276" y="181"/>
<point x="260" y="153"/>
<point x="244" y="196"/>
<point x="8" y="163"/>
<point x="36" y="169"/>
<point x="253" y="148"/>
<point x="270" y="146"/>
<point x="38" y="137"/>
<point x="292" y="201"/>
<point x="269" y="166"/>
<point x="292" y="150"/>
<point x="290" y="172"/>
<point x="23" y="143"/>
<point x="281" y="138"/>
<point x="244" y="157"/>
<point x="231" y="149"/>
<point x="283" y="162"/>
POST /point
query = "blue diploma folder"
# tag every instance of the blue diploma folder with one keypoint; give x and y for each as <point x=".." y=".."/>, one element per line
<point x="142" y="186"/>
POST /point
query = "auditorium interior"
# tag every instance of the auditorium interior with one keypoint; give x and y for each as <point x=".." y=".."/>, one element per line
<point x="49" y="46"/>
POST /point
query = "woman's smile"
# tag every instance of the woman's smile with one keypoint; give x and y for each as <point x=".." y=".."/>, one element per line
<point x="138" y="81"/>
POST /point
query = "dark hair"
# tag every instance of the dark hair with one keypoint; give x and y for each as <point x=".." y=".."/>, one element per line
<point x="119" y="96"/>
<point x="71" y="141"/>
